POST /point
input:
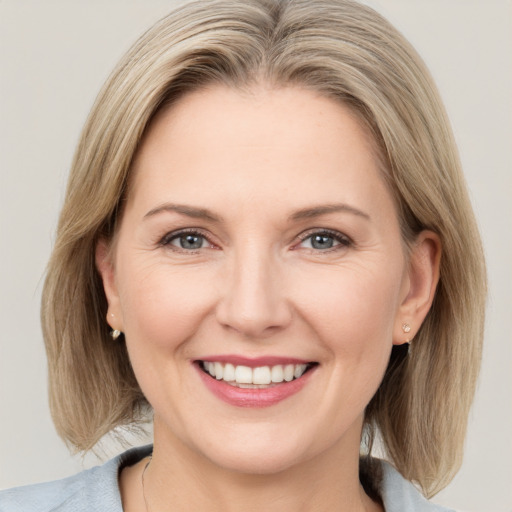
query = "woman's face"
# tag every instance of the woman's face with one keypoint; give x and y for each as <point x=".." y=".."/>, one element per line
<point x="259" y="243"/>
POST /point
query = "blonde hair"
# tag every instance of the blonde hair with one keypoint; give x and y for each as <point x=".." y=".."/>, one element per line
<point x="343" y="50"/>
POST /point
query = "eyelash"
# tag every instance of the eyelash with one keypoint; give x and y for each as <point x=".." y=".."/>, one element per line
<point x="343" y="240"/>
<point x="175" y="235"/>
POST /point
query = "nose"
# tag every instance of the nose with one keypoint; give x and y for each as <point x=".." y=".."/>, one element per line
<point x="253" y="300"/>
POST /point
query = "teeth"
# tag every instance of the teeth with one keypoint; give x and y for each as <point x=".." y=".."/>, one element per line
<point x="219" y="371"/>
<point x="298" y="371"/>
<point x="229" y="372"/>
<point x="243" y="375"/>
<point x="259" y="377"/>
<point x="277" y="374"/>
<point x="289" y="372"/>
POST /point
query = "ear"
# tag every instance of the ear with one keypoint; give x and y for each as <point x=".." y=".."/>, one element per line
<point x="105" y="266"/>
<point x="419" y="286"/>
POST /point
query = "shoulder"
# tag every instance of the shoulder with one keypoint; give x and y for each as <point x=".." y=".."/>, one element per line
<point x="93" y="489"/>
<point x="400" y="495"/>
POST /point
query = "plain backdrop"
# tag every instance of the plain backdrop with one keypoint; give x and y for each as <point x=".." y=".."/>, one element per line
<point x="54" y="57"/>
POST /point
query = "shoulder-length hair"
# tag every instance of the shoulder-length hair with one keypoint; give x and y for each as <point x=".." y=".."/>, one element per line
<point x="345" y="51"/>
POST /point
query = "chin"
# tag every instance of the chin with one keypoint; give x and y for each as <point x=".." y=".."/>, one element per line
<point x="263" y="449"/>
<point x="255" y="462"/>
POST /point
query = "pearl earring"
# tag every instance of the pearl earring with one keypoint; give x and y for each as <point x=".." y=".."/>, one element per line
<point x="406" y="328"/>
<point x="115" y="333"/>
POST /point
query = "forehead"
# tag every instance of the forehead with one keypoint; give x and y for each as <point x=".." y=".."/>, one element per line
<point x="267" y="142"/>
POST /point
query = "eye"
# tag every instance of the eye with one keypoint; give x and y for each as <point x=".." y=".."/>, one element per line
<point x="185" y="241"/>
<point x="324" y="240"/>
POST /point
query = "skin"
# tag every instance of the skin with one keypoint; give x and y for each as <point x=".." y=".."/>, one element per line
<point x="257" y="287"/>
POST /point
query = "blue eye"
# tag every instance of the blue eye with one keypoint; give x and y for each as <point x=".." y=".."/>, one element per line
<point x="324" y="240"/>
<point x="186" y="241"/>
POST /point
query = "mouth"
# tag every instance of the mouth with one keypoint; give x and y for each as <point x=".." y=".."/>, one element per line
<point x="258" y="377"/>
<point x="252" y="383"/>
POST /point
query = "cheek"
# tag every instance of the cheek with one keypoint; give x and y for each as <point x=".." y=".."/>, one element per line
<point x="352" y="311"/>
<point x="352" y="318"/>
<point x="162" y="305"/>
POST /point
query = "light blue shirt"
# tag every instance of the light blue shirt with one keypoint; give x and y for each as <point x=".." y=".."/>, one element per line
<point x="97" y="490"/>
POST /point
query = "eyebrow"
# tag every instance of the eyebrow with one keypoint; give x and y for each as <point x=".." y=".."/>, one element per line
<point x="304" y="213"/>
<point x="189" y="211"/>
<point x="317" y="211"/>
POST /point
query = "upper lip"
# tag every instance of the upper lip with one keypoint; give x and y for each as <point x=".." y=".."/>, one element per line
<point x="253" y="362"/>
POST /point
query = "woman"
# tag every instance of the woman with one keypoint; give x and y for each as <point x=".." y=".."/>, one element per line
<point x="267" y="208"/>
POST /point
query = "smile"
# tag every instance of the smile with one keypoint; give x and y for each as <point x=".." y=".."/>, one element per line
<point x="259" y="377"/>
<point x="252" y="383"/>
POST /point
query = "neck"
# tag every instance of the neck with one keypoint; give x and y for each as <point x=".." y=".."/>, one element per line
<point x="180" y="479"/>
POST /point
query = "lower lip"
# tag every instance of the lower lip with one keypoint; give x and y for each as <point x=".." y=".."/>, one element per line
<point x="257" y="397"/>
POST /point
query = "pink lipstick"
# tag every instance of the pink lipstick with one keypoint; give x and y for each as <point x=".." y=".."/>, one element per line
<point x="254" y="382"/>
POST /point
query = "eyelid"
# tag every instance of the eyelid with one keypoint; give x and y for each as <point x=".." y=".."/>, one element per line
<point x="165" y="241"/>
<point x="344" y="240"/>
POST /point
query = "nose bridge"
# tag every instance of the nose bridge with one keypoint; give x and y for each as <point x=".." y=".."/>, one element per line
<point x="254" y="301"/>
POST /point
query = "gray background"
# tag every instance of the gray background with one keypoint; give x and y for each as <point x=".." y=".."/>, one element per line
<point x="54" y="57"/>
